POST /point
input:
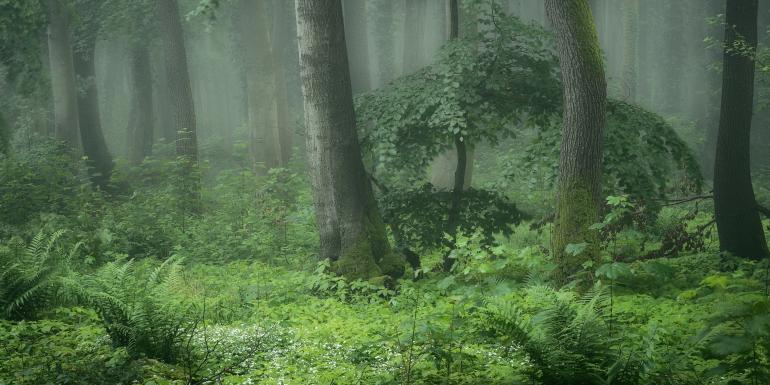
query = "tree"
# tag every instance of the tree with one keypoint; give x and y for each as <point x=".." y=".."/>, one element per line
<point x="141" y="119"/>
<point x="578" y="202"/>
<point x="738" y="222"/>
<point x="178" y="79"/>
<point x="99" y="160"/>
<point x="65" y="98"/>
<point x="351" y="230"/>
<point x="630" y="33"/>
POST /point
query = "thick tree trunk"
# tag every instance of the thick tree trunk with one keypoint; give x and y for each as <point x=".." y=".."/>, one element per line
<point x="352" y="232"/>
<point x="141" y="120"/>
<point x="578" y="202"/>
<point x="178" y="78"/>
<point x="738" y="223"/>
<point x="94" y="146"/>
<point x="65" y="98"/>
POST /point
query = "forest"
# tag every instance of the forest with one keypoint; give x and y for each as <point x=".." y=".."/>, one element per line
<point x="356" y="192"/>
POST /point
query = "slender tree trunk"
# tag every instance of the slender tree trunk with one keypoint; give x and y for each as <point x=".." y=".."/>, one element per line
<point x="453" y="217"/>
<point x="140" y="126"/>
<point x="738" y="222"/>
<point x="265" y="94"/>
<point x="352" y="232"/>
<point x="178" y="78"/>
<point x="94" y="146"/>
<point x="279" y="37"/>
<point x="65" y="99"/>
<point x="578" y="202"/>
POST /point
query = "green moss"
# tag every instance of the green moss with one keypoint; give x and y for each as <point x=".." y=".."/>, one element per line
<point x="577" y="211"/>
<point x="357" y="261"/>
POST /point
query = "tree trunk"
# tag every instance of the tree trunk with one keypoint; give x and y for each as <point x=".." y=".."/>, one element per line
<point x="65" y="96"/>
<point x="461" y="154"/>
<point x="578" y="202"/>
<point x="630" y="35"/>
<point x="264" y="92"/>
<point x="444" y="168"/>
<point x="279" y="36"/>
<point x="738" y="223"/>
<point x="351" y="229"/>
<point x="141" y="120"/>
<point x="178" y="78"/>
<point x="94" y="146"/>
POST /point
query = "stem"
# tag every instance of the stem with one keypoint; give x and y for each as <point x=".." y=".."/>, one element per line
<point x="453" y="219"/>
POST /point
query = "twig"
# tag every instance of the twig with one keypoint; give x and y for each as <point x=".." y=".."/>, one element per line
<point x="686" y="200"/>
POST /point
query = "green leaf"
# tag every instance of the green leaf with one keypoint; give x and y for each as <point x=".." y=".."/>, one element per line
<point x="575" y="249"/>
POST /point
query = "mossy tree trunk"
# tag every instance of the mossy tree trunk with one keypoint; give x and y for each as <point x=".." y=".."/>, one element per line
<point x="578" y="202"/>
<point x="352" y="232"/>
<point x="738" y="222"/>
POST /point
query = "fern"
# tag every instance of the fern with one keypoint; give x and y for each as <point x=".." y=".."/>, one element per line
<point x="567" y="340"/>
<point x="142" y="311"/>
<point x="32" y="281"/>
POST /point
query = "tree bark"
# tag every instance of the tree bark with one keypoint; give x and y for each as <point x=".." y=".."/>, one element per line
<point x="178" y="78"/>
<point x="578" y="202"/>
<point x="141" y="120"/>
<point x="351" y="229"/>
<point x="738" y="223"/>
<point x="99" y="161"/>
<point x="65" y="99"/>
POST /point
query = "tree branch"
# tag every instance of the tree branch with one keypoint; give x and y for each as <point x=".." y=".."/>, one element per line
<point x="686" y="200"/>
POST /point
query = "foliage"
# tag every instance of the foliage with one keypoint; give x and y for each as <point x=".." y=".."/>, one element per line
<point x="418" y="216"/>
<point x="480" y="89"/>
<point x="567" y="341"/>
<point x="643" y="156"/>
<point x="20" y="25"/>
<point x="70" y="348"/>
<point x="31" y="275"/>
<point x="141" y="308"/>
<point x="40" y="180"/>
